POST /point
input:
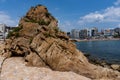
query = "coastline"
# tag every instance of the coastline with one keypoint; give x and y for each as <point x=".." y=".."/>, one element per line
<point x="83" y="40"/>
<point x="103" y="63"/>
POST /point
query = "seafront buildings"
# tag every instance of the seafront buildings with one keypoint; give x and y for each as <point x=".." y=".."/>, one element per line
<point x="4" y="30"/>
<point x="87" y="33"/>
<point x="75" y="33"/>
<point x="94" y="33"/>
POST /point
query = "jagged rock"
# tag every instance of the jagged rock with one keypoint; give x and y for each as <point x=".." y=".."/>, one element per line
<point x="39" y="41"/>
<point x="115" y="67"/>
<point x="15" y="69"/>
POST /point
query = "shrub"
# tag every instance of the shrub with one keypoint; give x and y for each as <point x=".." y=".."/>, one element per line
<point x="33" y="21"/>
<point x="17" y="29"/>
<point x="39" y="5"/>
<point x="31" y="39"/>
<point x="42" y="22"/>
<point x="56" y="29"/>
<point x="10" y="34"/>
<point x="47" y="14"/>
<point x="14" y="32"/>
<point x="26" y="20"/>
<point x="47" y="34"/>
<point x="47" y="23"/>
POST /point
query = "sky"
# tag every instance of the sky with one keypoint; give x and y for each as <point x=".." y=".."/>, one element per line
<point x="71" y="14"/>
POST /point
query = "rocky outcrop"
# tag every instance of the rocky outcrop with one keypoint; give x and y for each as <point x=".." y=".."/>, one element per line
<point x="41" y="44"/>
<point x="18" y="71"/>
<point x="115" y="67"/>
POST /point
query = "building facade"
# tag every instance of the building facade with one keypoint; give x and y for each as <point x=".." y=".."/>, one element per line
<point x="83" y="33"/>
<point x="2" y="31"/>
<point x="75" y="34"/>
<point x="94" y="32"/>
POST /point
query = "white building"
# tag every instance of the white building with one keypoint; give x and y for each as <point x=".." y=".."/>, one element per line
<point x="75" y="33"/>
<point x="2" y="31"/>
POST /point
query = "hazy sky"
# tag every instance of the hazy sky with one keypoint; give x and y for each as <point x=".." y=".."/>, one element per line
<point x="71" y="14"/>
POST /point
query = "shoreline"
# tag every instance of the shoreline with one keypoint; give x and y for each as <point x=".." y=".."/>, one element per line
<point x="86" y="40"/>
<point x="103" y="63"/>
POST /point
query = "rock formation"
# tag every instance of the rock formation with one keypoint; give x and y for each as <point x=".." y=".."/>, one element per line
<point x="18" y="71"/>
<point x="40" y="43"/>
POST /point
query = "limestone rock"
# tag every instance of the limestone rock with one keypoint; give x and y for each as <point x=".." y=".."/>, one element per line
<point x="15" y="69"/>
<point x="40" y="42"/>
<point x="2" y="46"/>
<point x="1" y="61"/>
<point x="115" y="67"/>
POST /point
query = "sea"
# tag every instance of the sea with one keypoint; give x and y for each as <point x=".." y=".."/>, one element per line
<point x="108" y="50"/>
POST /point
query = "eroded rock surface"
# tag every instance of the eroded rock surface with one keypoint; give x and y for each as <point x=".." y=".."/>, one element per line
<point x="18" y="71"/>
<point x="41" y="44"/>
<point x="115" y="67"/>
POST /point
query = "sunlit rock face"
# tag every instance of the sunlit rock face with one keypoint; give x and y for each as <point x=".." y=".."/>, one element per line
<point x="40" y="43"/>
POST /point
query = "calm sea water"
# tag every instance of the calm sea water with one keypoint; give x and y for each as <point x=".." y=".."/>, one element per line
<point x="107" y="50"/>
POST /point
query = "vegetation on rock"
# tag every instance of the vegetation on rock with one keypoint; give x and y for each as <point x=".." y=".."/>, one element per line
<point x="14" y="32"/>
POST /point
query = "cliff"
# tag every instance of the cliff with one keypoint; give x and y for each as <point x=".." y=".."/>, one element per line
<point x="40" y="43"/>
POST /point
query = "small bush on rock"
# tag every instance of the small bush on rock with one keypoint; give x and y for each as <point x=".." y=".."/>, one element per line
<point x="14" y="32"/>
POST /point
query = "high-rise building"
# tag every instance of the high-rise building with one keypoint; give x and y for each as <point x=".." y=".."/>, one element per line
<point x="117" y="31"/>
<point x="68" y="34"/>
<point x="107" y="32"/>
<point x="83" y="33"/>
<point x="2" y="31"/>
<point x="75" y="34"/>
<point x="2" y="27"/>
<point x="89" y="33"/>
<point x="112" y="32"/>
<point x="94" y="31"/>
